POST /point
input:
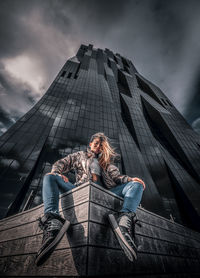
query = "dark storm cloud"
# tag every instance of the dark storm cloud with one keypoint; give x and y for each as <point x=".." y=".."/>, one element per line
<point x="30" y="28"/>
<point x="14" y="33"/>
<point x="16" y="98"/>
<point x="160" y="37"/>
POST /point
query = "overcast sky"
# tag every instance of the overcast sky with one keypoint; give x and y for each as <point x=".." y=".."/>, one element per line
<point x="162" y="39"/>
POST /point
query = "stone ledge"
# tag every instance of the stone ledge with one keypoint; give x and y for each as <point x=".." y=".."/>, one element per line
<point x="90" y="247"/>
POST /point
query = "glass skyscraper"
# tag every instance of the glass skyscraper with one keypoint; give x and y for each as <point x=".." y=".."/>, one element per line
<point x="99" y="91"/>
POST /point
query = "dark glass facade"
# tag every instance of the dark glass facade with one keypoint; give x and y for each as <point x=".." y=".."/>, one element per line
<point x="98" y="90"/>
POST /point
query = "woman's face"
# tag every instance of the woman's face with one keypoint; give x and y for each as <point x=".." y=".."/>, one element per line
<point x="96" y="146"/>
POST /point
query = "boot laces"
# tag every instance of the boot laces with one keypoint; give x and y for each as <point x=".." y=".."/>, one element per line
<point x="125" y="221"/>
<point x="129" y="221"/>
<point x="50" y="225"/>
<point x="45" y="226"/>
<point x="136" y="221"/>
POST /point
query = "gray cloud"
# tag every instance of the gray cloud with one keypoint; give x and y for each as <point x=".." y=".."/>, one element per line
<point x="16" y="97"/>
<point x="37" y="37"/>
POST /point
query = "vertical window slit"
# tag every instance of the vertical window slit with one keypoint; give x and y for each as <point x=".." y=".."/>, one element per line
<point x="69" y="75"/>
<point x="63" y="74"/>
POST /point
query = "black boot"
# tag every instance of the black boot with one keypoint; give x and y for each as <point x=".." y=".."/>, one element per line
<point x="54" y="227"/>
<point x="123" y="225"/>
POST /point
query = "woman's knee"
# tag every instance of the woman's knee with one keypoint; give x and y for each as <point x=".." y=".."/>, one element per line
<point x="132" y="186"/>
<point x="49" y="178"/>
<point x="137" y="185"/>
<point x="127" y="187"/>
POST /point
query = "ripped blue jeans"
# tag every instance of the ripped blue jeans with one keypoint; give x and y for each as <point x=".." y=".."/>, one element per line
<point x="53" y="185"/>
<point x="131" y="192"/>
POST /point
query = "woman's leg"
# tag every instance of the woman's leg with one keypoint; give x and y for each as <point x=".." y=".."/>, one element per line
<point x="52" y="185"/>
<point x="123" y="222"/>
<point x="132" y="194"/>
<point x="52" y="224"/>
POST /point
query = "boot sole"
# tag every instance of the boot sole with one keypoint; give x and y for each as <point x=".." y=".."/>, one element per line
<point x="128" y="250"/>
<point x="41" y="257"/>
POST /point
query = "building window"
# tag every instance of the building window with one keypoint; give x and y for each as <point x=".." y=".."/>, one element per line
<point x="168" y="102"/>
<point x="164" y="101"/>
<point x="69" y="75"/>
<point x="63" y="74"/>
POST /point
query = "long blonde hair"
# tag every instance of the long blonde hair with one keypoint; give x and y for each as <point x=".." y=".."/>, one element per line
<point x="108" y="152"/>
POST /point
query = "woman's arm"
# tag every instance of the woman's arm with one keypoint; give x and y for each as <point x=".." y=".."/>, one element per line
<point x="120" y="179"/>
<point x="115" y="175"/>
<point x="65" y="164"/>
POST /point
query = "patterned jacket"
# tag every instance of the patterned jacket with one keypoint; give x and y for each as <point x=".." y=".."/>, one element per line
<point x="80" y="162"/>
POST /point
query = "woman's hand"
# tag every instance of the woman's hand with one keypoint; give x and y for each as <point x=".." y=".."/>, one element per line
<point x="94" y="177"/>
<point x="138" y="180"/>
<point x="62" y="176"/>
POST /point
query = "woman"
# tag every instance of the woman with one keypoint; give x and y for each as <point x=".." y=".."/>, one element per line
<point x="95" y="164"/>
